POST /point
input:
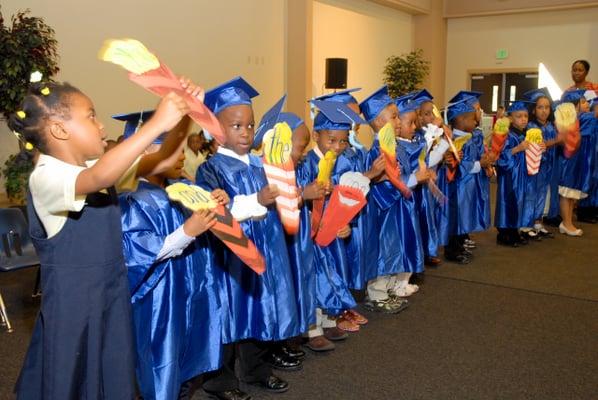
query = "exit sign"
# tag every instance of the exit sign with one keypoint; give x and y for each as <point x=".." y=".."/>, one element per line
<point x="501" y="54"/>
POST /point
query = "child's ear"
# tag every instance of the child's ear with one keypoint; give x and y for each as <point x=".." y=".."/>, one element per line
<point x="57" y="130"/>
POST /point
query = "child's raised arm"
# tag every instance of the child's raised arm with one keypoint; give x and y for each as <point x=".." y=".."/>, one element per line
<point x="112" y="165"/>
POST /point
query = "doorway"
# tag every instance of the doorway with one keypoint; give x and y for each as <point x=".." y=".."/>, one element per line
<point x="501" y="88"/>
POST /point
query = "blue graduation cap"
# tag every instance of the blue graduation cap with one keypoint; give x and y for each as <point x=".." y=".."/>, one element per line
<point x="133" y="122"/>
<point x="375" y="103"/>
<point x="344" y="96"/>
<point x="232" y="93"/>
<point x="422" y="96"/>
<point x="334" y="116"/>
<point x="406" y="103"/>
<point x="291" y="119"/>
<point x="268" y="121"/>
<point x="463" y="106"/>
<point x="571" y="96"/>
<point x="466" y="94"/>
<point x="534" y="94"/>
<point x="519" y="105"/>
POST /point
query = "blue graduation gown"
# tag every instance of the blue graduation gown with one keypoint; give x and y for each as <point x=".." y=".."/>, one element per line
<point x="396" y="218"/>
<point x="544" y="181"/>
<point x="473" y="189"/>
<point x="427" y="209"/>
<point x="176" y="309"/>
<point x="301" y="255"/>
<point x="330" y="262"/>
<point x="576" y="172"/>
<point x="261" y="307"/>
<point x="360" y="251"/>
<point x="592" y="199"/>
<point x="511" y="186"/>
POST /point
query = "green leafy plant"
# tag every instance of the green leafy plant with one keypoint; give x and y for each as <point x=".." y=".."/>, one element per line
<point x="16" y="173"/>
<point x="405" y="73"/>
<point x="26" y="46"/>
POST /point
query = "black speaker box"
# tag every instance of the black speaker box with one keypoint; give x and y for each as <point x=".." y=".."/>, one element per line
<point x="336" y="73"/>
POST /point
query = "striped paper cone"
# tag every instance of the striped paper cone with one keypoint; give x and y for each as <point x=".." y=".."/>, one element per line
<point x="533" y="157"/>
<point x="287" y="203"/>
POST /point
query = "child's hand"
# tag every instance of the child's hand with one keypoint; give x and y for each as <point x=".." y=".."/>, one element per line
<point x="449" y="157"/>
<point x="199" y="222"/>
<point x="220" y="196"/>
<point x="267" y="195"/>
<point x="486" y="160"/>
<point x="328" y="187"/>
<point x="171" y="109"/>
<point x="192" y="89"/>
<point x="438" y="122"/>
<point x="521" y="147"/>
<point x="344" y="232"/>
<point x="313" y="191"/>
<point x="422" y="176"/>
<point x="542" y="146"/>
<point x="378" y="167"/>
<point x="447" y="131"/>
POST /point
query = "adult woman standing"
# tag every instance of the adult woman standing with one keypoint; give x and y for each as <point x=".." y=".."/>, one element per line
<point x="579" y="73"/>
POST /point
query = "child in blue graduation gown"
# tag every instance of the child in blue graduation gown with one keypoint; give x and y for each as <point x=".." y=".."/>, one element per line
<point x="394" y="215"/>
<point x="174" y="295"/>
<point x="333" y="297"/>
<point x="577" y="171"/>
<point x="260" y="307"/>
<point x="512" y="197"/>
<point x="82" y="344"/>
<point x="545" y="182"/>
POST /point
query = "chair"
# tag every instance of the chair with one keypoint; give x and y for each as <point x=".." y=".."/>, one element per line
<point x="16" y="250"/>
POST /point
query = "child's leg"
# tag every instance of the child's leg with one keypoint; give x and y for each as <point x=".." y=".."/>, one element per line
<point x="317" y="340"/>
<point x="378" y="288"/>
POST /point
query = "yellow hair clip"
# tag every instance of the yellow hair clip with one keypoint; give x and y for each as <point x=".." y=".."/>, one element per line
<point x="45" y="91"/>
<point x="21" y="114"/>
<point x="28" y="146"/>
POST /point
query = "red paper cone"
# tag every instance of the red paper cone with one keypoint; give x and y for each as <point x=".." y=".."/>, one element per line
<point x="345" y="203"/>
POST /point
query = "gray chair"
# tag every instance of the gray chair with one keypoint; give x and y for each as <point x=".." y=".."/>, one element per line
<point x="16" y="251"/>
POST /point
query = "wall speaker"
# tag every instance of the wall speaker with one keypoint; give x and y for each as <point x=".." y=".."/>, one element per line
<point x="336" y="73"/>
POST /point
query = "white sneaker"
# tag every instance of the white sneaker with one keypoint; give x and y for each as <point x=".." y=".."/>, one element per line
<point x="413" y="287"/>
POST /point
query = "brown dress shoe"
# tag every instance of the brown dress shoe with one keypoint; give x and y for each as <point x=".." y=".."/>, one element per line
<point x="335" y="334"/>
<point x="432" y="261"/>
<point x="320" y="344"/>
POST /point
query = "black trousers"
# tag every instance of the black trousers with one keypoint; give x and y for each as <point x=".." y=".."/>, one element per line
<point x="252" y="367"/>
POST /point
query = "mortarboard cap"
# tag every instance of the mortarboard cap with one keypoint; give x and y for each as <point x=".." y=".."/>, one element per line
<point x="291" y="119"/>
<point x="344" y="96"/>
<point x="518" y="105"/>
<point x="461" y="107"/>
<point x="268" y="121"/>
<point x="232" y="93"/>
<point x="375" y="103"/>
<point x="334" y="115"/>
<point x="571" y="96"/>
<point x="406" y="103"/>
<point x="133" y="122"/>
<point x="534" y="94"/>
<point x="466" y="94"/>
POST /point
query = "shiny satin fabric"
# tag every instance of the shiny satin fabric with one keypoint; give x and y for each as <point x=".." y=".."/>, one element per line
<point x="473" y="189"/>
<point x="544" y="181"/>
<point x="360" y="251"/>
<point x="301" y="256"/>
<point x="397" y="221"/>
<point x="511" y="186"/>
<point x="176" y="308"/>
<point x="330" y="262"/>
<point x="592" y="199"/>
<point x="262" y="307"/>
<point x="577" y="171"/>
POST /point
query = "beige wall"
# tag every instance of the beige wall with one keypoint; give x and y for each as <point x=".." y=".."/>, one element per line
<point x="555" y="38"/>
<point x="363" y="32"/>
<point x="210" y="41"/>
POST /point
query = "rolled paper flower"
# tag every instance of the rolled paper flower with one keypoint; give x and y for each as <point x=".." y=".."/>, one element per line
<point x="347" y="199"/>
<point x="567" y="124"/>
<point x="226" y="227"/>
<point x="45" y="91"/>
<point x="325" y="167"/>
<point x="21" y="114"/>
<point x="388" y="147"/>
<point x="499" y="135"/>
<point x="276" y="147"/>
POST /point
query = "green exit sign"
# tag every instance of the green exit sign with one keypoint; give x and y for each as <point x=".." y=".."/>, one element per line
<point x="501" y="54"/>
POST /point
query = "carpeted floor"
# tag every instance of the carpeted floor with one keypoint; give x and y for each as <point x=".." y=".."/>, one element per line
<point x="515" y="324"/>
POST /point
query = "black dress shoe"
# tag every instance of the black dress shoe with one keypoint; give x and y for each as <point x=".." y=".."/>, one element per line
<point x="459" y="258"/>
<point x="281" y="361"/>
<point x="293" y="353"/>
<point x="505" y="240"/>
<point x="234" y="394"/>
<point x="272" y="384"/>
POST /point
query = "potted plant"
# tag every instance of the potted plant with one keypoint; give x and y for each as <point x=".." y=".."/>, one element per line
<point x="405" y="73"/>
<point x="27" y="45"/>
